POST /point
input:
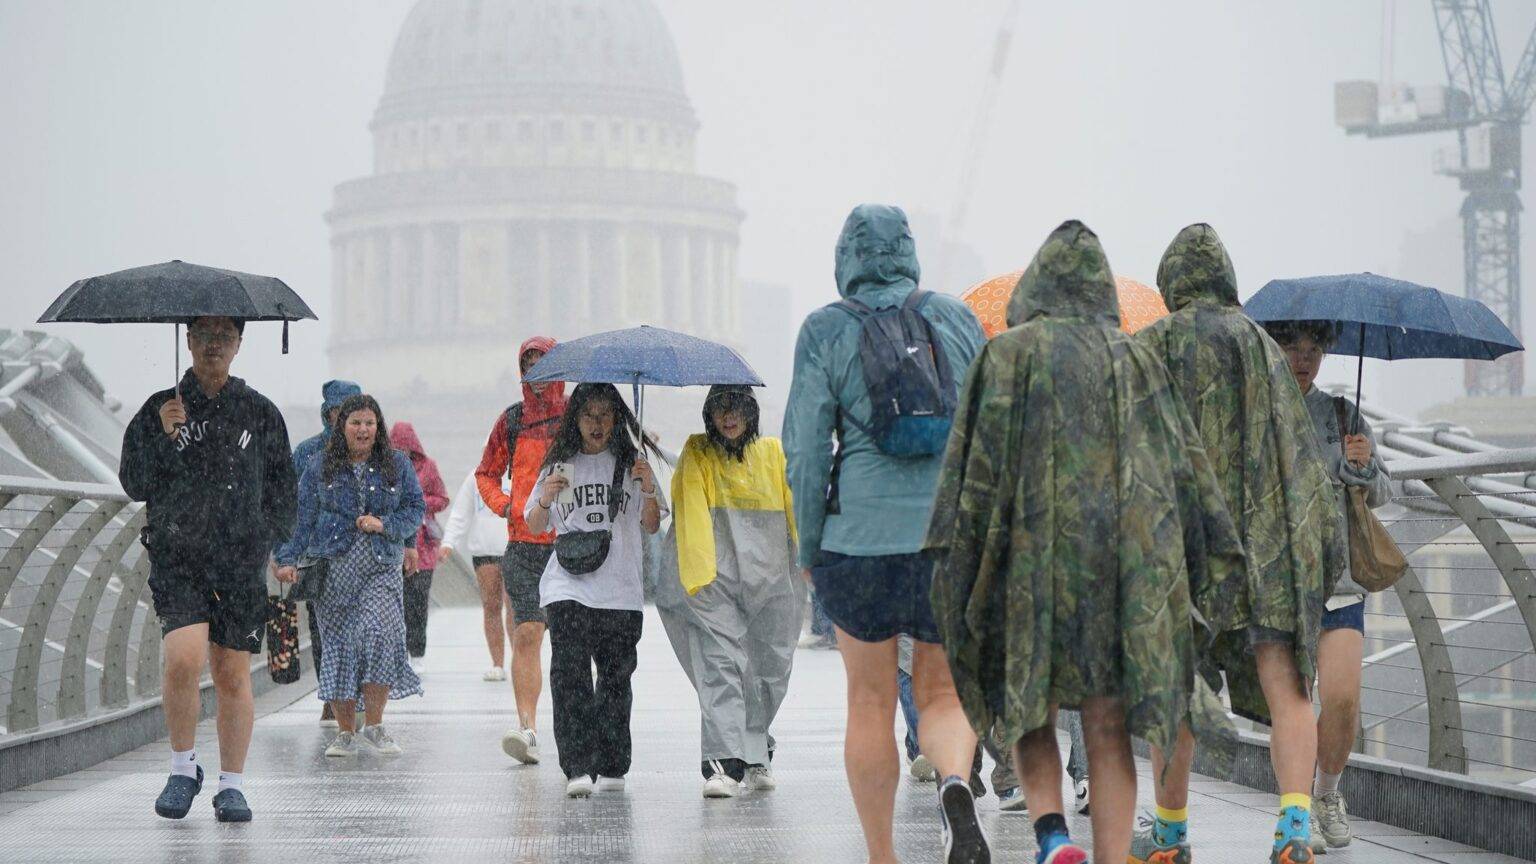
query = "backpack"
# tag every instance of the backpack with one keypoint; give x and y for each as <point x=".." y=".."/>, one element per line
<point x="911" y="387"/>
<point x="515" y="430"/>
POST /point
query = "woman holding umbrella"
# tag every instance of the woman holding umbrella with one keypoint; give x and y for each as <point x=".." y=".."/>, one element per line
<point x="597" y="492"/>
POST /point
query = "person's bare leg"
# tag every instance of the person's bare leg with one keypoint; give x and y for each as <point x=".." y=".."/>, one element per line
<point x="237" y="707"/>
<point x="1293" y="737"/>
<point x="186" y="652"/>
<point x="346" y="714"/>
<point x="1338" y="689"/>
<point x="527" y="671"/>
<point x="945" y="736"/>
<point x="375" y="697"/>
<point x="1037" y="763"/>
<point x="1170" y="780"/>
<point x="1113" y="770"/>
<point x="488" y="578"/>
<point x="869" y="750"/>
<point x="508" y="618"/>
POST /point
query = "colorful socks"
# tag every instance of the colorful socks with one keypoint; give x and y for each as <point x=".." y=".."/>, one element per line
<point x="1295" y="819"/>
<point x="1050" y="833"/>
<point x="1171" y="827"/>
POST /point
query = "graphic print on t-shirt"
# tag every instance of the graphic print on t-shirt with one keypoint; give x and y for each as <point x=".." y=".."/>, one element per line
<point x="592" y="497"/>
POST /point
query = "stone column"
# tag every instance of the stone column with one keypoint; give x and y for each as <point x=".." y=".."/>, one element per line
<point x="619" y="301"/>
<point x="581" y="275"/>
<point x="732" y="289"/>
<point x="658" y="303"/>
<point x="432" y="288"/>
<point x="545" y="284"/>
<point x="685" y="296"/>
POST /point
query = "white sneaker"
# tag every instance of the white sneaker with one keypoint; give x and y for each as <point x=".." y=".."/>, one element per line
<point x="382" y="741"/>
<point x="495" y="673"/>
<point x="579" y="787"/>
<point x="522" y="745"/>
<point x="610" y="784"/>
<point x="344" y="744"/>
<point x="1082" y="801"/>
<point x="720" y="784"/>
<point x="922" y="770"/>
<point x="1330" y="820"/>
<point x="760" y="778"/>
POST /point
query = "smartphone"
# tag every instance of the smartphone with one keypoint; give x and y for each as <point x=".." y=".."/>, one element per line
<point x="567" y="495"/>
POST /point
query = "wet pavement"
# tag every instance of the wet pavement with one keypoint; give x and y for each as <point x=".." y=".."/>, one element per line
<point x="454" y="797"/>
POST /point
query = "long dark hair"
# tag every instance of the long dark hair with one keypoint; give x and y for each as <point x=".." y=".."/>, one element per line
<point x="621" y="443"/>
<point x="730" y="397"/>
<point x="338" y="459"/>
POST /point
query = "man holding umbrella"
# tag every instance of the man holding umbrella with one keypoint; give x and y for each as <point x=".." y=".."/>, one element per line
<point x="210" y="458"/>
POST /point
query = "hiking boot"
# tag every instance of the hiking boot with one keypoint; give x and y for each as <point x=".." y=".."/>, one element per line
<point x="382" y="741"/>
<point x="964" y="841"/>
<point x="1295" y="851"/>
<point x="522" y="745"/>
<point x="1144" y="848"/>
<point x="760" y="778"/>
<point x="1330" y="821"/>
<point x="229" y="806"/>
<point x="344" y="744"/>
<point x="175" y="799"/>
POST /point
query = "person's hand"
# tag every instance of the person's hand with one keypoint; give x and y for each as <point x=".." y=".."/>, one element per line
<point x="445" y="551"/>
<point x="554" y="484"/>
<point x="1357" y="449"/>
<point x="642" y="472"/>
<point x="805" y="575"/>
<point x="370" y="524"/>
<point x="288" y="574"/>
<point x="412" y="561"/>
<point x="172" y="415"/>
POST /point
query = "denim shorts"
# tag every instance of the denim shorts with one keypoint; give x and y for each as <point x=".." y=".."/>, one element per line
<point x="1351" y="617"/>
<point x="877" y="597"/>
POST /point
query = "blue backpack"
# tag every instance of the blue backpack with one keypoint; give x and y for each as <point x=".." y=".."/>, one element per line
<point x="911" y="387"/>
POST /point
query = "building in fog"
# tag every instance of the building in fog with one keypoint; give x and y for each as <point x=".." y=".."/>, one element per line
<point x="533" y="173"/>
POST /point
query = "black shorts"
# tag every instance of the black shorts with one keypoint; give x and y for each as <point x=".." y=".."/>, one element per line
<point x="877" y="597"/>
<point x="230" y="599"/>
<point x="522" y="566"/>
<point x="482" y="560"/>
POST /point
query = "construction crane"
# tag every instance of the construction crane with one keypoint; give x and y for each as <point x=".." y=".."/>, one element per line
<point x="1486" y="111"/>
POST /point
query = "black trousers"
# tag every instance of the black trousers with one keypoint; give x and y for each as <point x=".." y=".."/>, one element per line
<point x="592" y="716"/>
<point x="418" y="590"/>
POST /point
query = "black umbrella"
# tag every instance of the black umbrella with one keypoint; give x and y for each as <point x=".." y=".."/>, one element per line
<point x="177" y="293"/>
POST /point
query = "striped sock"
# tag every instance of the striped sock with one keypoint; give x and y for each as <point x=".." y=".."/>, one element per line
<point x="1295" y="821"/>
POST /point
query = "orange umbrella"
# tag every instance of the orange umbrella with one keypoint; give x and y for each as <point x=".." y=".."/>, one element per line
<point x="1140" y="304"/>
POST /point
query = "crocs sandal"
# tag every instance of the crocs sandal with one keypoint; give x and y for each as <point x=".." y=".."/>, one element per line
<point x="230" y="806"/>
<point x="176" y="798"/>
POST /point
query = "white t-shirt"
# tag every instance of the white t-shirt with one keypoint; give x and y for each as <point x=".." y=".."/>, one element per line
<point x="617" y="584"/>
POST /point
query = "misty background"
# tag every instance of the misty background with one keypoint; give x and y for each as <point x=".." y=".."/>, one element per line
<point x="216" y="132"/>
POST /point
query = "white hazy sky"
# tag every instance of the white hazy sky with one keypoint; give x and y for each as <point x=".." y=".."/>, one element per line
<point x="215" y="131"/>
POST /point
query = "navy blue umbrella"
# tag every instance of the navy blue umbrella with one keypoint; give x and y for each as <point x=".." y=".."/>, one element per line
<point x="640" y="356"/>
<point x="1388" y="319"/>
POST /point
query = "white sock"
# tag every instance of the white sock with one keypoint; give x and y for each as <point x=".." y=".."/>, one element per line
<point x="184" y="762"/>
<point x="228" y="780"/>
<point x="1325" y="783"/>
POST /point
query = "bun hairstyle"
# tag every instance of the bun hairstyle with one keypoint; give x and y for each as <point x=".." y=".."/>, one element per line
<point x="738" y="398"/>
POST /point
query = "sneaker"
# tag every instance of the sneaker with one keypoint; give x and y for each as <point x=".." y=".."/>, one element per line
<point x="495" y="673"/>
<point x="579" y="787"/>
<point x="1011" y="800"/>
<point x="1068" y="853"/>
<point x="760" y="778"/>
<point x="922" y="770"/>
<point x="1144" y="848"/>
<point x="610" y="784"/>
<point x="229" y="806"/>
<point x="345" y="744"/>
<point x="1330" y="821"/>
<point x="721" y="784"/>
<point x="964" y="841"/>
<point x="327" y="717"/>
<point x="382" y="741"/>
<point x="175" y="799"/>
<point x="1297" y="851"/>
<point x="522" y="745"/>
<point x="1081" y="789"/>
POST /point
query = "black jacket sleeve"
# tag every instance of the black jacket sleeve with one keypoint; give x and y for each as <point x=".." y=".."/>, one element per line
<point x="280" y="487"/>
<point x="149" y="457"/>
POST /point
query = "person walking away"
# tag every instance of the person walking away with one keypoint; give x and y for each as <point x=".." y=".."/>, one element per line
<point x="515" y="450"/>
<point x="597" y="492"/>
<point x="482" y="535"/>
<point x="332" y="394"/>
<point x="1238" y="387"/>
<point x="421" y="560"/>
<point x="730" y="596"/>
<point x="878" y="372"/>
<point x="210" y="460"/>
<point x="1075" y="494"/>
<point x="1351" y="459"/>
<point x="360" y="506"/>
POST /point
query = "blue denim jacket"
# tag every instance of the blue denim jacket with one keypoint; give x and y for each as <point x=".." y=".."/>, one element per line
<point x="328" y="511"/>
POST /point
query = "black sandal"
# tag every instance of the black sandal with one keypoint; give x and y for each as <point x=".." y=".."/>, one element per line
<point x="175" y="799"/>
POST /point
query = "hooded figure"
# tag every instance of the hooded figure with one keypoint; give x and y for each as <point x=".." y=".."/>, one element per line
<point x="1075" y="511"/>
<point x="1238" y="387"/>
<point x="418" y="584"/>
<point x="729" y="595"/>
<point x="332" y="394"/>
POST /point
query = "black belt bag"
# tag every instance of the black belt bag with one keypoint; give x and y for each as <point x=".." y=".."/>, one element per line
<point x="581" y="552"/>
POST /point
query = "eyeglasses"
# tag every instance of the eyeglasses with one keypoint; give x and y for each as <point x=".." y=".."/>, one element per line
<point x="210" y="337"/>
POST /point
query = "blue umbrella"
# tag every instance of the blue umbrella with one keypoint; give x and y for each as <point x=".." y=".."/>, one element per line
<point x="1388" y="319"/>
<point x="640" y="356"/>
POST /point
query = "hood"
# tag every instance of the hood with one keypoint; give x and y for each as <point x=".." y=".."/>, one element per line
<point x="1068" y="278"/>
<point x="875" y="250"/>
<point x="1196" y="269"/>
<point x="335" y="392"/>
<point x="402" y="436"/>
<point x="540" y="406"/>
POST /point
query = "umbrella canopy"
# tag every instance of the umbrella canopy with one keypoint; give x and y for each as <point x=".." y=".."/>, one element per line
<point x="643" y="355"/>
<point x="1388" y="319"/>
<point x="175" y="293"/>
<point x="1140" y="304"/>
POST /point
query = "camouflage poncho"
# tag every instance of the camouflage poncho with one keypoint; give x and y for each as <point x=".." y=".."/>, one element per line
<point x="1074" y="513"/>
<point x="1238" y="387"/>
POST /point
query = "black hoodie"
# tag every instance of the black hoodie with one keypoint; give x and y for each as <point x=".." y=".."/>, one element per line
<point x="224" y="488"/>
